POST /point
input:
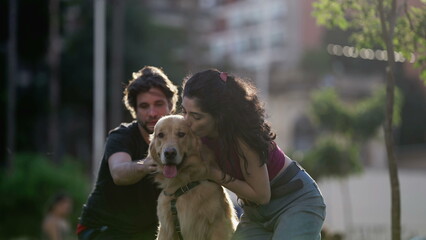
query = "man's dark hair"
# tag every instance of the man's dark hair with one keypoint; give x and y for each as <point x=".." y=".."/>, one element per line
<point x="145" y="79"/>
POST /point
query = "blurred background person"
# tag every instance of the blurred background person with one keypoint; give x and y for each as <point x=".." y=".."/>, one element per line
<point x="55" y="224"/>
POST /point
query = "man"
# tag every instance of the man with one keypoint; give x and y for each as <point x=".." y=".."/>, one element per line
<point x="123" y="202"/>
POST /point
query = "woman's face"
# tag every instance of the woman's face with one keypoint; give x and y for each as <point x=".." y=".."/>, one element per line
<point x="201" y="123"/>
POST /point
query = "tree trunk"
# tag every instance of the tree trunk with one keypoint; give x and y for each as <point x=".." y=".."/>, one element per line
<point x="54" y="58"/>
<point x="12" y="66"/>
<point x="393" y="168"/>
<point x="388" y="26"/>
<point x="117" y="63"/>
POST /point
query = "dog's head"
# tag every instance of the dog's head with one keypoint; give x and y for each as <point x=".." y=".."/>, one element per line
<point x="171" y="143"/>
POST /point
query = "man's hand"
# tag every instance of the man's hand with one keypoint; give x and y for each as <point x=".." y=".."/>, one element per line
<point x="148" y="165"/>
<point x="124" y="171"/>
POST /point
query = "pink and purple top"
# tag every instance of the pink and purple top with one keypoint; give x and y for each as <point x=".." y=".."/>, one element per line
<point x="274" y="164"/>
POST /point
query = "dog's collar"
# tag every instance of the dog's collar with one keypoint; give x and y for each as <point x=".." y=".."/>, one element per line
<point x="183" y="190"/>
<point x="175" y="195"/>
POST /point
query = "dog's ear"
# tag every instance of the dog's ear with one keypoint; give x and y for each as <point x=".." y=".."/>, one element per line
<point x="195" y="144"/>
<point x="152" y="152"/>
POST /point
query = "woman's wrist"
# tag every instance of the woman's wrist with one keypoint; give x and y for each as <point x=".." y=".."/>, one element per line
<point x="216" y="175"/>
<point x="220" y="177"/>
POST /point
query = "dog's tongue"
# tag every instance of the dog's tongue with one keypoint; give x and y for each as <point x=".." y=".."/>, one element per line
<point x="170" y="171"/>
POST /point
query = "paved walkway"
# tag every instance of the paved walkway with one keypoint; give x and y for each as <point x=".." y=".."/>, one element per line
<point x="368" y="195"/>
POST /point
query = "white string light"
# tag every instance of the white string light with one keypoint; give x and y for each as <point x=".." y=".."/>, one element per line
<point x="365" y="53"/>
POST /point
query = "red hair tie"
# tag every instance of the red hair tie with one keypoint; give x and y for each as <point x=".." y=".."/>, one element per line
<point x="224" y="76"/>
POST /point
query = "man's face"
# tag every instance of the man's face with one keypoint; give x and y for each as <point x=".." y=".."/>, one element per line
<point x="151" y="106"/>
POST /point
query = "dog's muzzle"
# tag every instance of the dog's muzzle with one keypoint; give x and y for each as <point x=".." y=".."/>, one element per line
<point x="171" y="162"/>
<point x="170" y="154"/>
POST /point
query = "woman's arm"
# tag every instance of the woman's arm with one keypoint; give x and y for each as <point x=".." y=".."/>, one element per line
<point x="125" y="172"/>
<point x="256" y="187"/>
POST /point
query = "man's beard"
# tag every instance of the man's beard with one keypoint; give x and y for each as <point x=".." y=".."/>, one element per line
<point x="143" y="125"/>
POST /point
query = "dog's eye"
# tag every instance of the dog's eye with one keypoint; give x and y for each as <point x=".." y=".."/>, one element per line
<point x="181" y="134"/>
<point x="160" y="135"/>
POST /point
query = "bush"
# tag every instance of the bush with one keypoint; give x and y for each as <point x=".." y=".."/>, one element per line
<point x="28" y="185"/>
<point x="332" y="158"/>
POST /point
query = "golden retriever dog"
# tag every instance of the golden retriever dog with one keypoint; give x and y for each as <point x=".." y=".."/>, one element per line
<point x="203" y="209"/>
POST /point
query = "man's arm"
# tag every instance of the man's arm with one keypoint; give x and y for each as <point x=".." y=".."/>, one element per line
<point x="125" y="172"/>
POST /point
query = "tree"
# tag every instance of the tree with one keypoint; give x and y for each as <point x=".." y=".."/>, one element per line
<point x="12" y="62"/>
<point x="344" y="128"/>
<point x="54" y="62"/>
<point x="116" y="60"/>
<point x="33" y="182"/>
<point x="394" y="26"/>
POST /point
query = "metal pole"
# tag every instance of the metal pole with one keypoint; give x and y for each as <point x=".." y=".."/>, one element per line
<point x="54" y="60"/>
<point x="98" y="85"/>
<point x="116" y="60"/>
<point x="12" y="65"/>
<point x="263" y="69"/>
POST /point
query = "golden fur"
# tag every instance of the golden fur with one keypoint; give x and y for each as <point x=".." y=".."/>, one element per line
<point x="205" y="212"/>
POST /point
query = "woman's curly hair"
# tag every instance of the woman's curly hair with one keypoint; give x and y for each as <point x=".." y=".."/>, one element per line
<point x="239" y="115"/>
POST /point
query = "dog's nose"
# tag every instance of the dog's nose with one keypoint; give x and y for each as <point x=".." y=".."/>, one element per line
<point x="170" y="153"/>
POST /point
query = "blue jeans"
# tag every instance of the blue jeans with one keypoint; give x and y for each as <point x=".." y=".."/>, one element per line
<point x="298" y="215"/>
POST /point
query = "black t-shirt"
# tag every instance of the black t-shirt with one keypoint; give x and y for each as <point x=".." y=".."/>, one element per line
<point x="130" y="208"/>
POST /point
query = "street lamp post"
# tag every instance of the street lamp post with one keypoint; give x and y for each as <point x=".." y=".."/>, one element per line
<point x="98" y="85"/>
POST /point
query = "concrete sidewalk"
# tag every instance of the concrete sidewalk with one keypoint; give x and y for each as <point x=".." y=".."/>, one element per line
<point x="368" y="195"/>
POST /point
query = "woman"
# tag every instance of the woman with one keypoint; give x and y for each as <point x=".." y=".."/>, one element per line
<point x="55" y="224"/>
<point x="280" y="200"/>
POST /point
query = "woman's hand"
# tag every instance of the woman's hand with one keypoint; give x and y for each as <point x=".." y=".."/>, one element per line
<point x="214" y="173"/>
